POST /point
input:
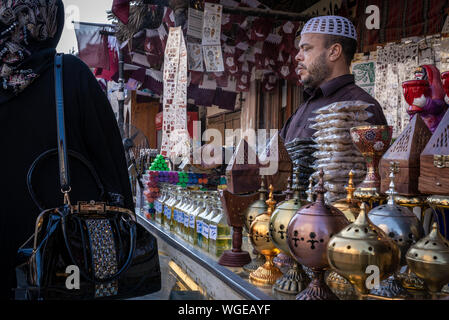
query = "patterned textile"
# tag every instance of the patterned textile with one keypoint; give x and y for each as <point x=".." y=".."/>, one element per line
<point x="365" y="75"/>
<point x="23" y="22"/>
<point x="399" y="19"/>
<point x="175" y="138"/>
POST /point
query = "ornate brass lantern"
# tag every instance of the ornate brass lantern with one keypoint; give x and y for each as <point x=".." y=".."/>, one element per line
<point x="402" y="226"/>
<point x="308" y="234"/>
<point x="429" y="260"/>
<point x="360" y="246"/>
<point x="268" y="273"/>
<point x="295" y="279"/>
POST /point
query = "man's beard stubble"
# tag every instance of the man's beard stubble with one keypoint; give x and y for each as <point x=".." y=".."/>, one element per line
<point x="318" y="72"/>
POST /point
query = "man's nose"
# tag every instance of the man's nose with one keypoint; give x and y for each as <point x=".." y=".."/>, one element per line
<point x="299" y="56"/>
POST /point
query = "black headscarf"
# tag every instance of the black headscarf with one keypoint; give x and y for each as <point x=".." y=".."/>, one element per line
<point x="29" y="33"/>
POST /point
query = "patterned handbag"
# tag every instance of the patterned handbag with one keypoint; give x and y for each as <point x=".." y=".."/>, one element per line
<point x="114" y="256"/>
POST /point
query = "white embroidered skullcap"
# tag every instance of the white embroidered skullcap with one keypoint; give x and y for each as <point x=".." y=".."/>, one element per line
<point x="335" y="25"/>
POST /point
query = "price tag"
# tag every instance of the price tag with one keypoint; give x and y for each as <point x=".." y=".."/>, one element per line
<point x="213" y="232"/>
<point x="192" y="222"/>
<point x="199" y="225"/>
<point x="167" y="212"/>
<point x="205" y="231"/>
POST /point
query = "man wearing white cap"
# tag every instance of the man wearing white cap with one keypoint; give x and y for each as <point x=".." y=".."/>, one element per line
<point x="326" y="49"/>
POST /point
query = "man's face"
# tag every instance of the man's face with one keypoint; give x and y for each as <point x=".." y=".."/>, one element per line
<point x="313" y="67"/>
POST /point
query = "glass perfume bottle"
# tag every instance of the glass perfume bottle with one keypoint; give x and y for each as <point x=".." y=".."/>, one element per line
<point x="173" y="207"/>
<point x="178" y="213"/>
<point x="220" y="237"/>
<point x="188" y="209"/>
<point x="159" y="204"/>
<point x="167" y="207"/>
<point x="199" y="220"/>
<point x="211" y="212"/>
<point x="197" y="208"/>
<point x="184" y="214"/>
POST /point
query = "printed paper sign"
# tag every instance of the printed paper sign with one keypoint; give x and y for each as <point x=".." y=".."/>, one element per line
<point x="213" y="58"/>
<point x="213" y="232"/>
<point x="195" y="52"/>
<point x="212" y="24"/>
<point x="195" y="23"/>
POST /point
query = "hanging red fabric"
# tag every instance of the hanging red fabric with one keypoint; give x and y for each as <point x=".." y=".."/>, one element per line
<point x="120" y="8"/>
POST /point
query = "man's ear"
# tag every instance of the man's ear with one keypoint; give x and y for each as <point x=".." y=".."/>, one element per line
<point x="335" y="52"/>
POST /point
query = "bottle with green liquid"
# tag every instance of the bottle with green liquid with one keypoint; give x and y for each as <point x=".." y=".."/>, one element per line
<point x="220" y="238"/>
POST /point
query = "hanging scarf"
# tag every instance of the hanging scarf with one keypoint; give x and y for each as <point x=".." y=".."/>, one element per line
<point x="175" y="137"/>
<point x="29" y="32"/>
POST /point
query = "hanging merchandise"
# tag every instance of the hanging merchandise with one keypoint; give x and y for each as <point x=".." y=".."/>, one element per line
<point x="288" y="33"/>
<point x="153" y="46"/>
<point x="212" y="24"/>
<point x="175" y="138"/>
<point x="211" y="38"/>
<point x="92" y="45"/>
<point x="195" y="57"/>
<point x="213" y="58"/>
<point x="195" y="23"/>
<point x="229" y="59"/>
<point x="365" y="75"/>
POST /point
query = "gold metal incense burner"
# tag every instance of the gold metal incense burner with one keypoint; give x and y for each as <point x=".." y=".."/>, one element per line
<point x="283" y="260"/>
<point x="411" y="281"/>
<point x="268" y="273"/>
<point x="257" y="208"/>
<point x="429" y="260"/>
<point x="295" y="279"/>
<point x="357" y="247"/>
<point x="351" y="209"/>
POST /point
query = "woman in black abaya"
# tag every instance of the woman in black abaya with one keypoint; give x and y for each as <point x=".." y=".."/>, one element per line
<point x="29" y="33"/>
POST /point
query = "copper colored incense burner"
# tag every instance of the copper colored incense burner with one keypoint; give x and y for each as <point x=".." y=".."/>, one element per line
<point x="308" y="234"/>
